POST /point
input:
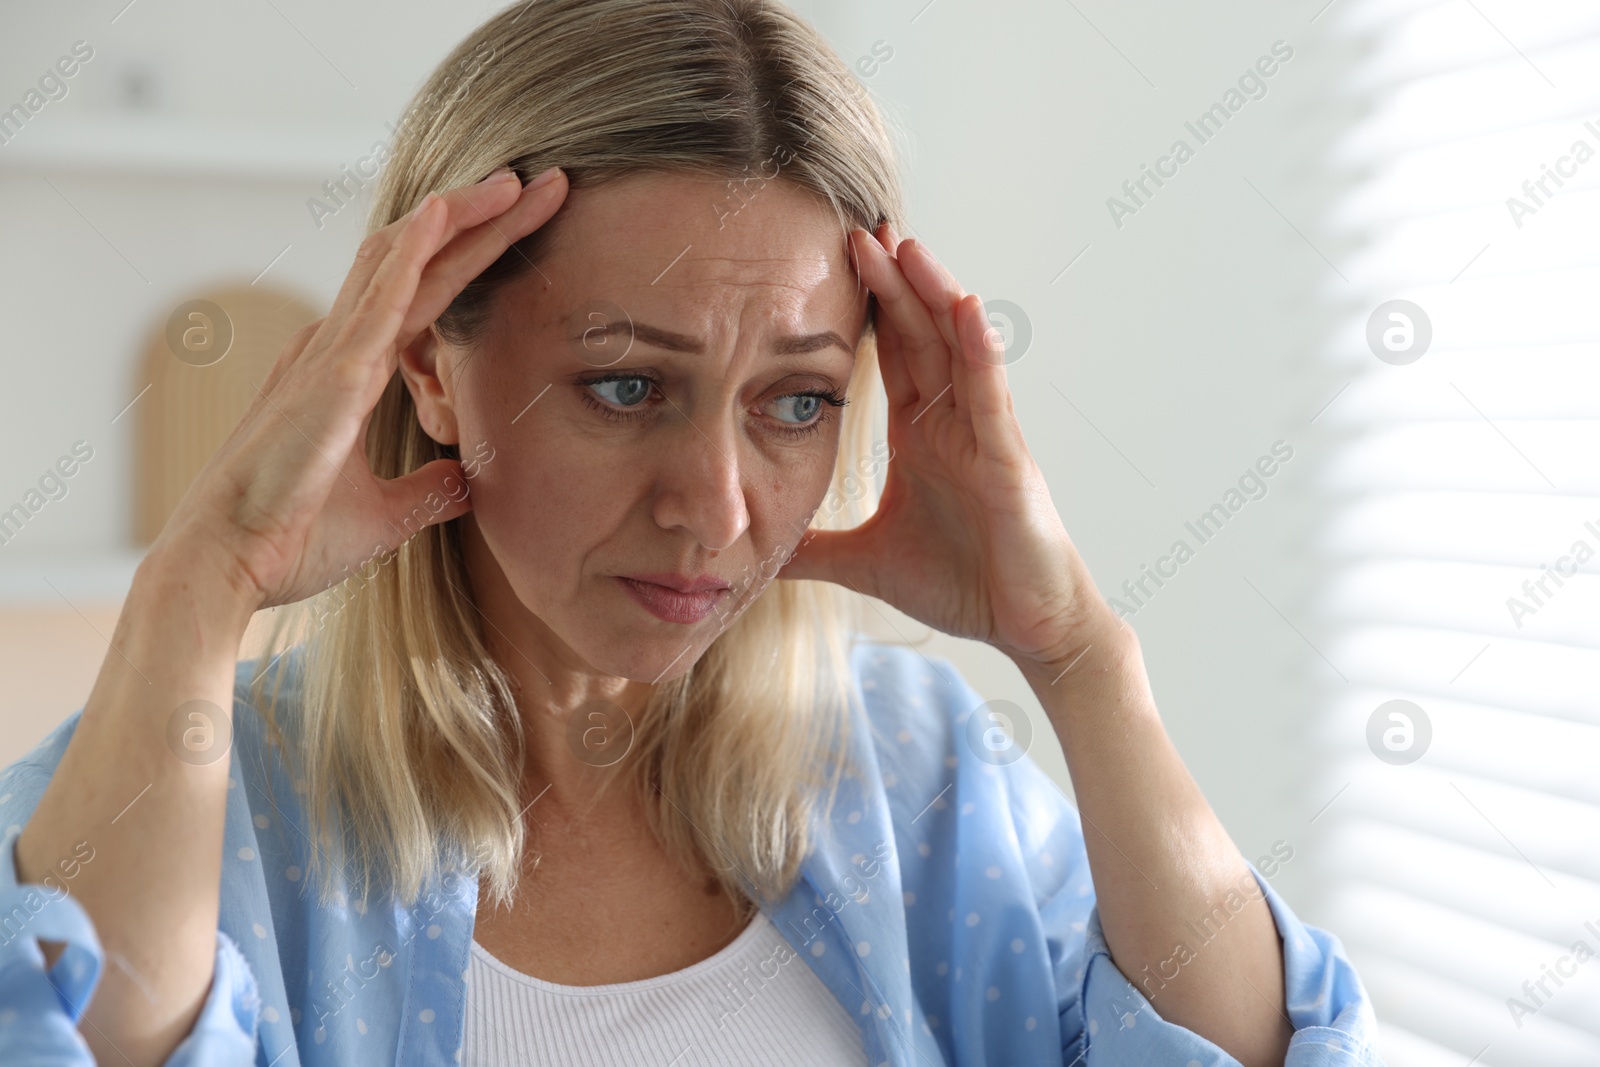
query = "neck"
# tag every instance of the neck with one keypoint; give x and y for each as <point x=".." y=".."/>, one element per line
<point x="576" y="721"/>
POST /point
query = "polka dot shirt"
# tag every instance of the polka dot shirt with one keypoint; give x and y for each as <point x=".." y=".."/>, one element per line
<point x="947" y="905"/>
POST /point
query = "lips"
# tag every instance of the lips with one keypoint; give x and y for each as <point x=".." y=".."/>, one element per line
<point x="686" y="601"/>
<point x="681" y="582"/>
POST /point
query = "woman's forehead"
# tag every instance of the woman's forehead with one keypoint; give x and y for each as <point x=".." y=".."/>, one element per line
<point x="639" y="248"/>
<point x="656" y="228"/>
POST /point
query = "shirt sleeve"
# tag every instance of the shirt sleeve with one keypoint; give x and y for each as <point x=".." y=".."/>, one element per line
<point x="1104" y="1019"/>
<point x="1325" y="1002"/>
<point x="40" y="1009"/>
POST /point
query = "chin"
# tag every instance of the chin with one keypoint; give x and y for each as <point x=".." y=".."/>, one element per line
<point x="650" y="634"/>
<point x="640" y="655"/>
<point x="624" y="638"/>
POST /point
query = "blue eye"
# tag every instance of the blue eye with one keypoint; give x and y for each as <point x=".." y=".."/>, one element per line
<point x="802" y="405"/>
<point x="628" y="392"/>
<point x="627" y="397"/>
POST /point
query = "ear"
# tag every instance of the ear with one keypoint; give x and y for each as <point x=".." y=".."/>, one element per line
<point x="426" y="364"/>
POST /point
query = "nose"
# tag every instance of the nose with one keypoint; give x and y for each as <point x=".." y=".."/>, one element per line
<point x="699" y="488"/>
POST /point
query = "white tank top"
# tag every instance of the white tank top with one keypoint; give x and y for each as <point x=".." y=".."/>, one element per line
<point x="754" y="1001"/>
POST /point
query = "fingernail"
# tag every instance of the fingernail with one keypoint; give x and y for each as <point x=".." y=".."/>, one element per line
<point x="857" y="242"/>
<point x="994" y="342"/>
<point x="421" y="205"/>
<point x="544" y="178"/>
<point x="500" y="175"/>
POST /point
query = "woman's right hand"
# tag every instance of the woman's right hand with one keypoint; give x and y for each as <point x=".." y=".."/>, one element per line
<point x="289" y="504"/>
<point x="276" y="515"/>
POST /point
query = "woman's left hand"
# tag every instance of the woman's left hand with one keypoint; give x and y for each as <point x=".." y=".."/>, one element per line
<point x="965" y="538"/>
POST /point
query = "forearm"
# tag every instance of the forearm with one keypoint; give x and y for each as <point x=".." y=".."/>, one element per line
<point x="153" y="820"/>
<point x="1168" y="879"/>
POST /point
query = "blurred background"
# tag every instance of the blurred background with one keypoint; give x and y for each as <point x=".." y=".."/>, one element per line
<point x="1342" y="345"/>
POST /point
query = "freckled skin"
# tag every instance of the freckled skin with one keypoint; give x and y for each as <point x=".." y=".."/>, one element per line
<point x="705" y="481"/>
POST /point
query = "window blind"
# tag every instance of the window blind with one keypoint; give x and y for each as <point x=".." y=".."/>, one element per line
<point x="1462" y="550"/>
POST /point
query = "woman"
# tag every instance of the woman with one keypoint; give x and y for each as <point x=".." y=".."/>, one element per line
<point x="558" y="771"/>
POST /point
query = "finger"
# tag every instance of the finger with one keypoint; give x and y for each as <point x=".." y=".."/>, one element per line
<point x="887" y="237"/>
<point x="926" y="354"/>
<point x="994" y="420"/>
<point x="828" y="556"/>
<point x="934" y="283"/>
<point x="411" y="499"/>
<point x="359" y="358"/>
<point x="941" y="292"/>
<point x="292" y="350"/>
<point x="467" y="206"/>
<point x="288" y="356"/>
<point x="897" y="384"/>
<point x="475" y="249"/>
<point x="366" y="339"/>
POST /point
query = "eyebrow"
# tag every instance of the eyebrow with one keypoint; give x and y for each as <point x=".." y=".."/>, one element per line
<point x="677" y="342"/>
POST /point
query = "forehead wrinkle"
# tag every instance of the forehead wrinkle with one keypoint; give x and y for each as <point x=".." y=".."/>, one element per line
<point x="806" y="279"/>
<point x="783" y="262"/>
<point x="723" y="289"/>
<point x="726" y="312"/>
<point x="817" y="263"/>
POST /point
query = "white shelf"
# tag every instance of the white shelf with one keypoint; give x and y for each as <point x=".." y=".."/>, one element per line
<point x="40" y="578"/>
<point x="175" y="147"/>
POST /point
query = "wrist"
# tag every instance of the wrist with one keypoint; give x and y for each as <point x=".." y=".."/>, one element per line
<point x="1095" y="643"/>
<point x="1103" y="680"/>
<point x="194" y="583"/>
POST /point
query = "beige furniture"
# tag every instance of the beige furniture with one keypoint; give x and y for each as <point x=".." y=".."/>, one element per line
<point x="51" y="649"/>
<point x="191" y="408"/>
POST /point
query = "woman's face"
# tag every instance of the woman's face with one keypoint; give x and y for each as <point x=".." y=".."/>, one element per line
<point x="651" y="407"/>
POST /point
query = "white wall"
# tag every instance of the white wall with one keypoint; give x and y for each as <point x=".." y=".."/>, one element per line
<point x="1181" y="341"/>
<point x="1177" y="348"/>
<point x="115" y="204"/>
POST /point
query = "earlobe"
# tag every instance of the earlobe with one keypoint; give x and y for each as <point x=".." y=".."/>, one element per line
<point x="424" y="364"/>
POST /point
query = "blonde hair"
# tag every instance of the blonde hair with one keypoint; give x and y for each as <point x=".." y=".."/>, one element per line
<point x="406" y="742"/>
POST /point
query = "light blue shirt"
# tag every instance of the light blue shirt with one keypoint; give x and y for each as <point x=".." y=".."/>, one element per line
<point x="947" y="905"/>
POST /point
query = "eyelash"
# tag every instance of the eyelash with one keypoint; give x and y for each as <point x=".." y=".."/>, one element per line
<point x="830" y="397"/>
